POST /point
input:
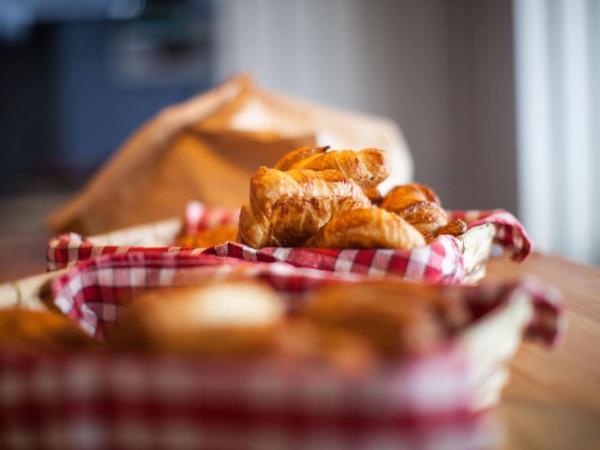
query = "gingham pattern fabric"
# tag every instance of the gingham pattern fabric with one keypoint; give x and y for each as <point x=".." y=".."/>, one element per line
<point x="113" y="402"/>
<point x="199" y="217"/>
<point x="93" y="293"/>
<point x="510" y="234"/>
<point x="440" y="261"/>
<point x="117" y="401"/>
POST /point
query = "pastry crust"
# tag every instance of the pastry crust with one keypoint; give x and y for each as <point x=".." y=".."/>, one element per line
<point x="41" y="332"/>
<point x="305" y="342"/>
<point x="407" y="194"/>
<point x="228" y="318"/>
<point x="394" y="318"/>
<point x="367" y="167"/>
<point x="420" y="206"/>
<point x="455" y="227"/>
<point x="426" y="217"/>
<point x="374" y="195"/>
<point x="288" y="161"/>
<point x="367" y="228"/>
<point x="209" y="237"/>
<point x="286" y="208"/>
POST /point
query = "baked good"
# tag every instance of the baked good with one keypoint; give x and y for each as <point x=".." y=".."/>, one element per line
<point x="420" y="206"/>
<point x="226" y="318"/>
<point x="366" y="228"/>
<point x="426" y="217"/>
<point x="367" y="167"/>
<point x="352" y="327"/>
<point x="208" y="237"/>
<point x="393" y="318"/>
<point x="455" y="227"/>
<point x="405" y="195"/>
<point x="319" y="198"/>
<point x="286" y="208"/>
<point x="41" y="332"/>
<point x="288" y="160"/>
<point x="303" y="341"/>
<point x="374" y="195"/>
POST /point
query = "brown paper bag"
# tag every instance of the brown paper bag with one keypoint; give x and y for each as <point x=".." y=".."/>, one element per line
<point x="207" y="148"/>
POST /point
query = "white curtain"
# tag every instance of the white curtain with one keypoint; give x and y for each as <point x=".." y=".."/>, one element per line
<point x="557" y="48"/>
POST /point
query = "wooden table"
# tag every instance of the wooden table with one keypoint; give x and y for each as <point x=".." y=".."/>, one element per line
<point x="553" y="398"/>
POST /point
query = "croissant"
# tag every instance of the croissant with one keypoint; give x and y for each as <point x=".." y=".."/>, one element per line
<point x="208" y="237"/>
<point x="41" y="332"/>
<point x="292" y="158"/>
<point x="304" y="342"/>
<point x="286" y="208"/>
<point x="455" y="227"/>
<point x="367" y="167"/>
<point x="426" y="217"/>
<point x="405" y="195"/>
<point x="374" y="195"/>
<point x="222" y="318"/>
<point x="419" y="206"/>
<point x="394" y="318"/>
<point x="366" y="228"/>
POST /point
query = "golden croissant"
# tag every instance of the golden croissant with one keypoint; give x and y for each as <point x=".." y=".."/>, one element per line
<point x="286" y="208"/>
<point x="367" y="167"/>
<point x="407" y="194"/>
<point x="420" y="206"/>
<point x="41" y="332"/>
<point x="455" y="227"/>
<point x="208" y="237"/>
<point x="427" y="217"/>
<point x="221" y="318"/>
<point x="289" y="160"/>
<point x="394" y="318"/>
<point x="367" y="228"/>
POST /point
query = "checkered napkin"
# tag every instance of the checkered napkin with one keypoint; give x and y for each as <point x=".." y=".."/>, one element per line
<point x="95" y="291"/>
<point x="441" y="261"/>
<point x="200" y="217"/>
<point x="117" y="401"/>
<point x="510" y="234"/>
<point x="120" y="402"/>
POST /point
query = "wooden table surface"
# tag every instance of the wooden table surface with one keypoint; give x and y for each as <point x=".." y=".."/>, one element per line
<point x="552" y="400"/>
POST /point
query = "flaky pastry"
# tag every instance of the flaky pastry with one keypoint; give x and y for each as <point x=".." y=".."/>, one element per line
<point x="41" y="332"/>
<point x="208" y="237"/>
<point x="286" y="208"/>
<point x="366" y="228"/>
<point x="455" y="227"/>
<point x="426" y="217"/>
<point x="394" y="318"/>
<point x="420" y="206"/>
<point x="405" y="195"/>
<point x="367" y="167"/>
<point x="289" y="160"/>
<point x="303" y="341"/>
<point x="228" y="318"/>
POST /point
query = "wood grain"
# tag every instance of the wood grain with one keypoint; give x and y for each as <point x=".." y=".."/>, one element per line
<point x="552" y="400"/>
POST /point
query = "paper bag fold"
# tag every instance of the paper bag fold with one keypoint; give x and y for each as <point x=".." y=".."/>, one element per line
<point x="207" y="148"/>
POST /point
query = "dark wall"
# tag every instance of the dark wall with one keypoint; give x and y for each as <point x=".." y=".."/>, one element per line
<point x="71" y="92"/>
<point x="27" y="116"/>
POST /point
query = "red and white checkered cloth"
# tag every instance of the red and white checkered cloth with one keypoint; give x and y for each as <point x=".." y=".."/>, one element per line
<point x="116" y="401"/>
<point x="441" y="261"/>
<point x="120" y="402"/>
<point x="200" y="217"/>
<point x="93" y="293"/>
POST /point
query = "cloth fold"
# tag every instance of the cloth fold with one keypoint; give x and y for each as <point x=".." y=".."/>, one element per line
<point x="441" y="261"/>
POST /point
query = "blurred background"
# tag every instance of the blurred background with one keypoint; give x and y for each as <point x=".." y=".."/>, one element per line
<point x="498" y="100"/>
